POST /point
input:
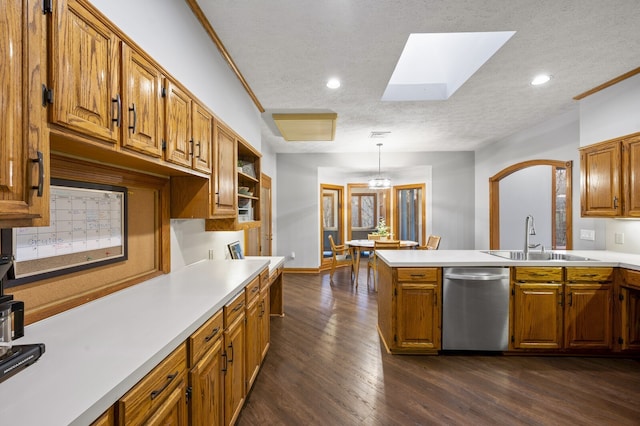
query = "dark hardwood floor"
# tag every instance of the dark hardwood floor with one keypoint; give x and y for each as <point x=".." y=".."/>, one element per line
<point x="327" y="366"/>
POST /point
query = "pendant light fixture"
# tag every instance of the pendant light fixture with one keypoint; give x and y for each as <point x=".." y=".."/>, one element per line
<point x="379" y="182"/>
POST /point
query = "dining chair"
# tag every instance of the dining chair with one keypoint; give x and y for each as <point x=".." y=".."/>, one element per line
<point x="433" y="242"/>
<point x="372" y="265"/>
<point x="341" y="254"/>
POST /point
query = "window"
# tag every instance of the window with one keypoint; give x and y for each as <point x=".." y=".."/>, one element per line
<point x="363" y="211"/>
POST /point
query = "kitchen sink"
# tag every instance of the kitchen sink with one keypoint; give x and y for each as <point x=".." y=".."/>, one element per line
<point x="535" y="255"/>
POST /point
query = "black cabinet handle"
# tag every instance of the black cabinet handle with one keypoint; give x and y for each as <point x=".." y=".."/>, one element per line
<point x="199" y="145"/>
<point x="231" y="350"/>
<point x="238" y="307"/>
<point x="224" y="355"/>
<point x="213" y="333"/>
<point x="40" y="161"/>
<point x="135" y="118"/>
<point x="157" y="392"/>
<point x="118" y="118"/>
<point x="191" y="147"/>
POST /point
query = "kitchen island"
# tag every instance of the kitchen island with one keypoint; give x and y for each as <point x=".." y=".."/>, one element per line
<point x="575" y="306"/>
<point x="98" y="351"/>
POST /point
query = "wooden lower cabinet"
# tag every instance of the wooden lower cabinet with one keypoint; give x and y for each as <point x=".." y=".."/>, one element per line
<point x="234" y="379"/>
<point x="106" y="419"/>
<point x="629" y="311"/>
<point x="587" y="316"/>
<point x="206" y="380"/>
<point x="537" y="316"/>
<point x="252" y="336"/>
<point x="206" y="377"/>
<point x="409" y="309"/>
<point x="160" y="397"/>
<point x="264" y="320"/>
<point x="555" y="308"/>
<point x="234" y="354"/>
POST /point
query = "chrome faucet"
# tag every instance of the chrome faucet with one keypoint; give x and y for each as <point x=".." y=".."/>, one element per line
<point x="529" y="229"/>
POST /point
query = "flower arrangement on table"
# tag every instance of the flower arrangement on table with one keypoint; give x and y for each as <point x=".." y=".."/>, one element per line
<point x="382" y="229"/>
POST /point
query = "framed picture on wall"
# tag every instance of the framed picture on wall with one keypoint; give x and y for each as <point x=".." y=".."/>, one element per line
<point x="235" y="249"/>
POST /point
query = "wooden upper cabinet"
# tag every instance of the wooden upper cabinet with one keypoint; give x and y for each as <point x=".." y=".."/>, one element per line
<point x="610" y="178"/>
<point x="600" y="167"/>
<point x="142" y="117"/>
<point x="223" y="180"/>
<point x="85" y="72"/>
<point x="631" y="176"/>
<point x="178" y="125"/>
<point x="24" y="143"/>
<point x="202" y="138"/>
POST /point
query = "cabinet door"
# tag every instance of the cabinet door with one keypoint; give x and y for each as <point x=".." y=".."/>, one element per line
<point x="178" y="125"/>
<point x="630" y="313"/>
<point x="173" y="410"/>
<point x="631" y="167"/>
<point x="24" y="142"/>
<point x="207" y="388"/>
<point x="588" y="316"/>
<point x="252" y="241"/>
<point x="264" y="315"/>
<point x="252" y="341"/>
<point x="537" y="316"/>
<point x="202" y="138"/>
<point x="85" y="73"/>
<point x="234" y="379"/>
<point x="224" y="194"/>
<point x="142" y="117"/>
<point x="418" y="316"/>
<point x="600" y="180"/>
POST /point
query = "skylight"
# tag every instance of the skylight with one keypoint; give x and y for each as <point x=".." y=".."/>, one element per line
<point x="433" y="66"/>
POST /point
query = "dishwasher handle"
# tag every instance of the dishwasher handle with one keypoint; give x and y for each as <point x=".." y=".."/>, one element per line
<point x="476" y="277"/>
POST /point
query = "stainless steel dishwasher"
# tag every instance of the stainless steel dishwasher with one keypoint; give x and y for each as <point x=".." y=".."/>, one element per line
<point x="475" y="309"/>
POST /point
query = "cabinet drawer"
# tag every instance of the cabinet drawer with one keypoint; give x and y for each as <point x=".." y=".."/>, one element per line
<point x="233" y="309"/>
<point x="418" y="274"/>
<point x="589" y="274"/>
<point x="149" y="394"/>
<point x="205" y="337"/>
<point x="252" y="290"/>
<point x="538" y="274"/>
<point x="631" y="278"/>
<point x="265" y="279"/>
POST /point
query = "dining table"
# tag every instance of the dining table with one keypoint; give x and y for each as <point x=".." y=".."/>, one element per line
<point x="367" y="245"/>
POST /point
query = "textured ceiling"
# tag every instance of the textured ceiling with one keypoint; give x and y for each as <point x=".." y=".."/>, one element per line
<point x="287" y="50"/>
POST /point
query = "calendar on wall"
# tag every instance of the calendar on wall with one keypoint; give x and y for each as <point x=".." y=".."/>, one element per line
<point x="87" y="228"/>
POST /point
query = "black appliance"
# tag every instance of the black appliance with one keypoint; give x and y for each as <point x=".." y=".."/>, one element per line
<point x="13" y="358"/>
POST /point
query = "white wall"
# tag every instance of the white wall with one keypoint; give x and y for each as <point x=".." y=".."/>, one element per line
<point x="527" y="192"/>
<point x="609" y="114"/>
<point x="298" y="219"/>
<point x="554" y="139"/>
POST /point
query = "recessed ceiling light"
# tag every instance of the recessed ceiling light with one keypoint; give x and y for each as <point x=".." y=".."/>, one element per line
<point x="333" y="83"/>
<point x="540" y="79"/>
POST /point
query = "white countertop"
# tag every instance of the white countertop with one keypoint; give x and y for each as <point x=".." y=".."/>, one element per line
<point x="96" y="352"/>
<point x="433" y="258"/>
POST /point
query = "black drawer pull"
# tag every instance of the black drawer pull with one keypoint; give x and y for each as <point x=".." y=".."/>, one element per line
<point x="237" y="308"/>
<point x="213" y="333"/>
<point x="170" y="378"/>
